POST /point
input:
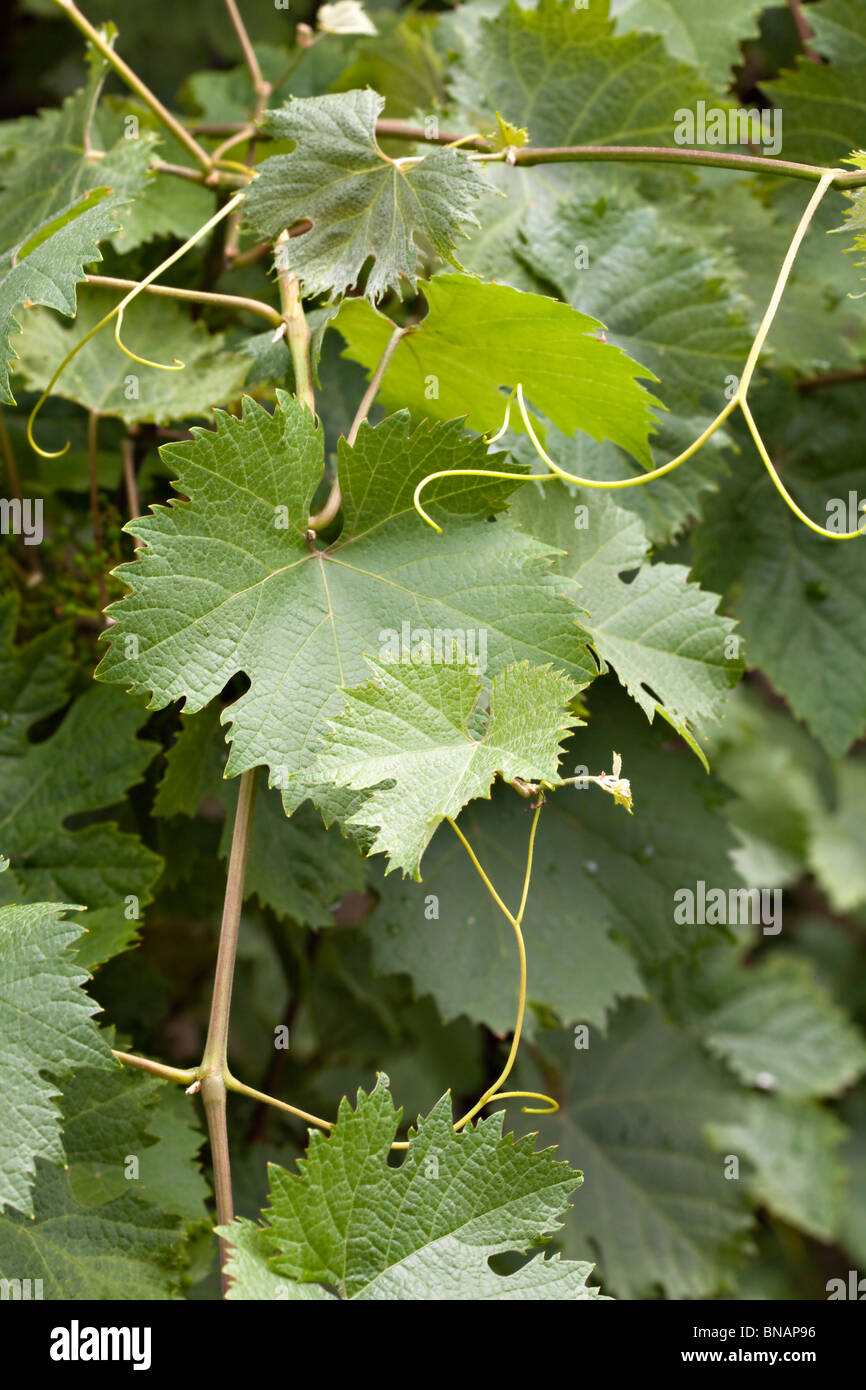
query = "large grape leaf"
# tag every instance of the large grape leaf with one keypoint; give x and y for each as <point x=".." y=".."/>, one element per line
<point x="794" y="1166"/>
<point x="295" y="866"/>
<point x="58" y="202"/>
<point x="53" y="164"/>
<point x="477" y="338"/>
<point x="46" y="1031"/>
<point x="671" y="301"/>
<point x="360" y="202"/>
<point x="46" y="268"/>
<point x="436" y="1226"/>
<point x="656" y="1204"/>
<point x="603" y="884"/>
<point x="34" y="677"/>
<point x="824" y="105"/>
<point x="102" y="378"/>
<point x="229" y="582"/>
<point x="100" y="1230"/>
<point x="780" y="777"/>
<point x="692" y="30"/>
<point x="837" y="845"/>
<point x="414" y="733"/>
<point x="560" y="72"/>
<point x="45" y="783"/>
<point x="768" y="564"/>
<point x="658" y="630"/>
<point x="838" y="30"/>
<point x="773" y="1023"/>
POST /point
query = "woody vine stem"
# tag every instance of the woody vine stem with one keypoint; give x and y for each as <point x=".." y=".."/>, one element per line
<point x="212" y="1076"/>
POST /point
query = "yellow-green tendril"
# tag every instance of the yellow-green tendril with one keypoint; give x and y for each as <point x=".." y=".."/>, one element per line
<point x="494" y="1092"/>
<point x="740" y="398"/>
<point x="117" y="312"/>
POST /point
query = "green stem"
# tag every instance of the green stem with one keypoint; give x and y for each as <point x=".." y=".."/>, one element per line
<point x="213" y="1091"/>
<point x="261" y="88"/>
<point x="214" y="1065"/>
<point x="223" y="301"/>
<point x="297" y="328"/>
<point x="215" y="1057"/>
<point x="123" y="69"/>
<point x="530" y="155"/>
<point x="183" y="1076"/>
<point x="232" y="1084"/>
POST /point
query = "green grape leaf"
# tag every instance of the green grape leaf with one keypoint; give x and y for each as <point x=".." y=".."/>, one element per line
<point x="561" y="72"/>
<point x="656" y="1204"/>
<point x="295" y="866"/>
<point x="169" y="1172"/>
<point x="602" y="889"/>
<point x="824" y="105"/>
<point x="45" y="783"/>
<point x="229" y="582"/>
<point x="53" y="165"/>
<point x="253" y="1276"/>
<point x="438" y="1225"/>
<point x="48" y="272"/>
<point x="694" y="32"/>
<point x="34" y="678"/>
<point x="659" y="631"/>
<point x="58" y="202"/>
<point x="361" y="203"/>
<point x="102" y="378"/>
<point x="778" y="774"/>
<point x="754" y="551"/>
<point x="412" y="728"/>
<point x="793" y="1157"/>
<point x="838" y="30"/>
<point x="403" y="65"/>
<point x="46" y="1031"/>
<point x="167" y="206"/>
<point x="778" y="1028"/>
<point x="95" y="1232"/>
<point x="477" y="338"/>
<point x="856" y="213"/>
<point x="836" y="851"/>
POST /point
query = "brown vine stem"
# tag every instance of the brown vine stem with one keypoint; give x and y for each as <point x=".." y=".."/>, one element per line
<point x="843" y="377"/>
<point x="332" y="505"/>
<point x="803" y="30"/>
<point x="134" y="82"/>
<point x="218" y="178"/>
<point x="262" y="91"/>
<point x="214" y="1065"/>
<point x="297" y="328"/>
<point x="530" y="155"/>
<point x="224" y="301"/>
<point x="261" y="88"/>
<point x="185" y="1076"/>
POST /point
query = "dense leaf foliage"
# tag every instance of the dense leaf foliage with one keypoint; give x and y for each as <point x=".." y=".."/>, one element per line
<point x="483" y="766"/>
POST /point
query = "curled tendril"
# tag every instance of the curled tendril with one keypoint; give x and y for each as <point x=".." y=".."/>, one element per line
<point x="549" y="1109"/>
<point x="740" y="398"/>
<point x="174" y="366"/>
<point x="117" y="312"/>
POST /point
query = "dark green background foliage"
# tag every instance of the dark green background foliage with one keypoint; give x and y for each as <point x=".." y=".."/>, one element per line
<point x="672" y="1049"/>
